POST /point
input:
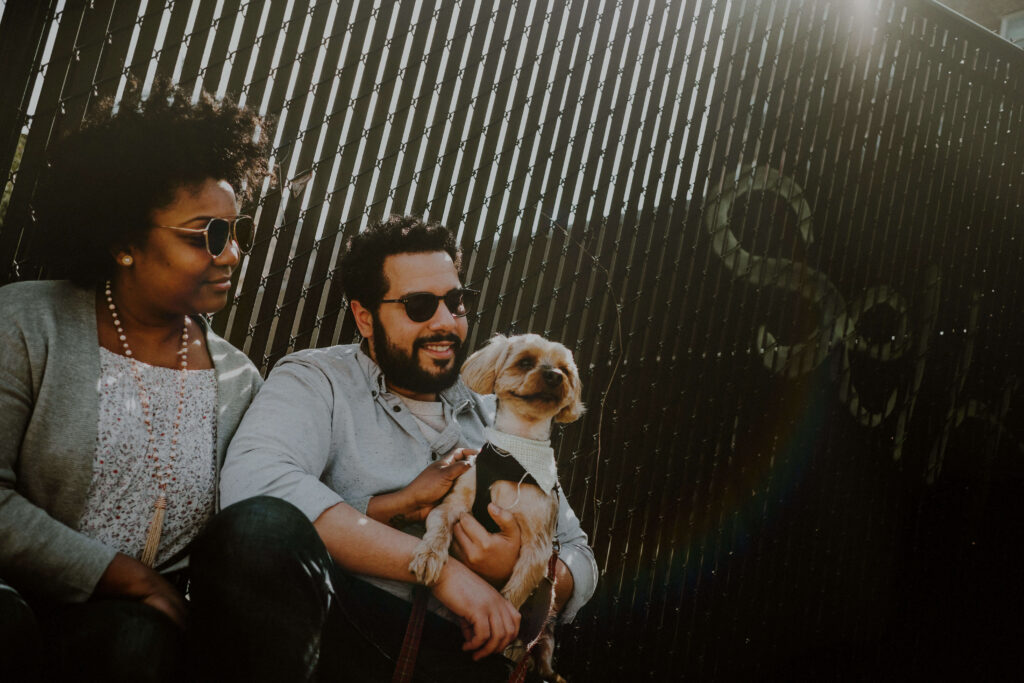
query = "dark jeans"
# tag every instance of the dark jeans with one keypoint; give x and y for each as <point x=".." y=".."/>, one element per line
<point x="269" y="604"/>
<point x="98" y="640"/>
<point x="19" y="635"/>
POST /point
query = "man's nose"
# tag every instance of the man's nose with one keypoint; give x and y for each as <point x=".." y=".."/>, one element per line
<point x="443" y="318"/>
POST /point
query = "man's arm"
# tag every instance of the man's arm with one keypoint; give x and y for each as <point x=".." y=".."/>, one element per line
<point x="281" y="449"/>
<point x="283" y="443"/>
<point x="564" y="585"/>
<point x="364" y="546"/>
<point x="413" y="502"/>
<point x="576" y="557"/>
<point x="493" y="556"/>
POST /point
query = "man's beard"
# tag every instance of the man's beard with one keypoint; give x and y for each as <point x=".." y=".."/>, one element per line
<point x="405" y="371"/>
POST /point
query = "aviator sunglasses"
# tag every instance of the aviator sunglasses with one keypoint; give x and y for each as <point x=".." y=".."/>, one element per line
<point x="219" y="231"/>
<point x="421" y="306"/>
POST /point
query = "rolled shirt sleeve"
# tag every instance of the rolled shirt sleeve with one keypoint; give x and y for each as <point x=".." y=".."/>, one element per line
<point x="283" y="443"/>
<point x="578" y="556"/>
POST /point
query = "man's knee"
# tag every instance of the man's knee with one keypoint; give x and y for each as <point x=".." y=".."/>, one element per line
<point x="259" y="562"/>
<point x="254" y="525"/>
<point x="254" y="546"/>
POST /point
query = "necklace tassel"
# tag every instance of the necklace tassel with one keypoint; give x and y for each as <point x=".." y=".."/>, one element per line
<point x="156" y="526"/>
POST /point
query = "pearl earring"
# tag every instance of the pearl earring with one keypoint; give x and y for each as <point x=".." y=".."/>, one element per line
<point x="126" y="260"/>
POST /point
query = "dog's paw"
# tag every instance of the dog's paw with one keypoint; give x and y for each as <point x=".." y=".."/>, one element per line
<point x="427" y="565"/>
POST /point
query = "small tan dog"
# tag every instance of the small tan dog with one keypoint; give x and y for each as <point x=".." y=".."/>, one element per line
<point x="536" y="381"/>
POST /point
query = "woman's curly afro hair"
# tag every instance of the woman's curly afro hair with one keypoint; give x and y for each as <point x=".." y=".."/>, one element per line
<point x="105" y="180"/>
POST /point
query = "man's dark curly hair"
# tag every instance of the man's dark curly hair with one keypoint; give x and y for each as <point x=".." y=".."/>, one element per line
<point x="106" y="179"/>
<point x="362" y="266"/>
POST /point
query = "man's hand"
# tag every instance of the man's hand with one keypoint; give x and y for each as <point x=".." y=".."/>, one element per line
<point x="415" y="501"/>
<point x="126" y="577"/>
<point x="489" y="622"/>
<point x="492" y="556"/>
<point x="362" y="546"/>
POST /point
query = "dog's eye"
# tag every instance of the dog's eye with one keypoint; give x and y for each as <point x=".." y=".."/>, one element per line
<point x="525" y="363"/>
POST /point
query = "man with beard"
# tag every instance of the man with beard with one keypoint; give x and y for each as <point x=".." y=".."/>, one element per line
<point x="337" y="463"/>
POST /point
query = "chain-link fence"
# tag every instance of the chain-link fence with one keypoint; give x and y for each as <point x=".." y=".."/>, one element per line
<point x="781" y="237"/>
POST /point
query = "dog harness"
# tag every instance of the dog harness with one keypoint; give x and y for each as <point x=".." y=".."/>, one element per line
<point x="510" y="458"/>
<point x="536" y="457"/>
<point x="495" y="465"/>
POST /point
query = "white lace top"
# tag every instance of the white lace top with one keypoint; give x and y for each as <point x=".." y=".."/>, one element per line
<point x="123" y="489"/>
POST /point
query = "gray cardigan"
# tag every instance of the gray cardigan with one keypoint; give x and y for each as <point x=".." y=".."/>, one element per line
<point x="49" y="412"/>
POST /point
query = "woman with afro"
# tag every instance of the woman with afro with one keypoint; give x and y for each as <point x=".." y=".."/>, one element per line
<point x="117" y="401"/>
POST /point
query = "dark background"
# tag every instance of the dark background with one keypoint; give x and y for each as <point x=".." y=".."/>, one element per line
<point x="784" y="239"/>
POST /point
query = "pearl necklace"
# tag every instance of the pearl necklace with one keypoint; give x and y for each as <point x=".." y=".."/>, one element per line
<point x="156" y="524"/>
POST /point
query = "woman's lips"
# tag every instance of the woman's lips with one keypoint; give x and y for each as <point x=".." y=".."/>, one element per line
<point x="220" y="285"/>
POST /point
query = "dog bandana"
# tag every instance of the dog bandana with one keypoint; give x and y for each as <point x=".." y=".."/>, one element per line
<point x="511" y="458"/>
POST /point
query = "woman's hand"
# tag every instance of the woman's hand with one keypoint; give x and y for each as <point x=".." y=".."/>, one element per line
<point x="492" y="556"/>
<point x="415" y="501"/>
<point x="126" y="577"/>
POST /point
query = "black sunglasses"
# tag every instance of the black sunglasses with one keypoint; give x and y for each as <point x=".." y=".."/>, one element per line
<point x="421" y="306"/>
<point x="219" y="231"/>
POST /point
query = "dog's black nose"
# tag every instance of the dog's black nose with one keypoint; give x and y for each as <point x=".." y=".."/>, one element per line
<point x="551" y="377"/>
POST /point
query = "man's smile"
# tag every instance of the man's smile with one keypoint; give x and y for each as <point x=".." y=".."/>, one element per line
<point x="439" y="350"/>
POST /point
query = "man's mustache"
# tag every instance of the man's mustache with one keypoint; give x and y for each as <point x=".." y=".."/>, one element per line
<point x="437" y="338"/>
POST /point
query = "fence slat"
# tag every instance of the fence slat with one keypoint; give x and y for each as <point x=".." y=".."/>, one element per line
<point x="782" y="238"/>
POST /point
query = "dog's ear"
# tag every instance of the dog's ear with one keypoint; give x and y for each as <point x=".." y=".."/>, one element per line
<point x="480" y="370"/>
<point x="574" y="409"/>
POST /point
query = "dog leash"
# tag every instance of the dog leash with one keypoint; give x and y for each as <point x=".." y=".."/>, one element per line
<point x="406" y="663"/>
<point x="519" y="673"/>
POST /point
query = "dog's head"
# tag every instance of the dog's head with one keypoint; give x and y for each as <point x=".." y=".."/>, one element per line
<point x="531" y="376"/>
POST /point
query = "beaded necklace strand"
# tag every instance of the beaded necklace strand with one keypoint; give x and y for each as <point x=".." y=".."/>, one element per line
<point x="160" y="474"/>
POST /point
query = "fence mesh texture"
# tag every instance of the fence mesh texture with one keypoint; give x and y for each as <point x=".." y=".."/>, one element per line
<point x="780" y="237"/>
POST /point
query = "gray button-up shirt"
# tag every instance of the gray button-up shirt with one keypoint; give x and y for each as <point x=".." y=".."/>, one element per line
<point x="325" y="429"/>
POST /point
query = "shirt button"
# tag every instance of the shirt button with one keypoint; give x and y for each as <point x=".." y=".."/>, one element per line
<point x="373" y="393"/>
<point x="397" y="409"/>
